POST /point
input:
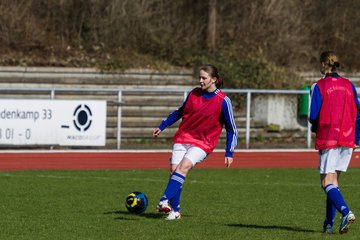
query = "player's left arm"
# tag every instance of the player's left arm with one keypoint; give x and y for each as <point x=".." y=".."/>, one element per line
<point x="357" y="129"/>
<point x="231" y="130"/>
<point x="315" y="106"/>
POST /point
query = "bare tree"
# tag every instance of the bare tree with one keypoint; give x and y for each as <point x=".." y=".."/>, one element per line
<point x="287" y="33"/>
<point x="211" y="36"/>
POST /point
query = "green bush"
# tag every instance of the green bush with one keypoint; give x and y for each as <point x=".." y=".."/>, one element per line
<point x="251" y="72"/>
<point x="254" y="71"/>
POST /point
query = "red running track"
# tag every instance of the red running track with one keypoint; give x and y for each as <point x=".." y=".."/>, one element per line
<point x="156" y="160"/>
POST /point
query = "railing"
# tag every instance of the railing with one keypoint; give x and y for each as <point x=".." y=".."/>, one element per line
<point x="119" y="91"/>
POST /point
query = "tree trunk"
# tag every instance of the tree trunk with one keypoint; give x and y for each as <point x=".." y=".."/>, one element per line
<point x="211" y="36"/>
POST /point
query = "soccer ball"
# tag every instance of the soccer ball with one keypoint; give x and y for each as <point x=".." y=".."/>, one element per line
<point x="136" y="202"/>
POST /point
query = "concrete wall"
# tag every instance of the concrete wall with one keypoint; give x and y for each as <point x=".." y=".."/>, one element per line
<point x="278" y="109"/>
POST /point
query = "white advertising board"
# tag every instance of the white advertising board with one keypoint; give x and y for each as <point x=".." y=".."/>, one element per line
<point x="53" y="122"/>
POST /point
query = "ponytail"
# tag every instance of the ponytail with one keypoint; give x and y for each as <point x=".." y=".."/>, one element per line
<point x="336" y="64"/>
<point x="330" y="59"/>
<point x="219" y="82"/>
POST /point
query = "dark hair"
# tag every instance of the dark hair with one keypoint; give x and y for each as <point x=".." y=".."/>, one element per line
<point x="330" y="59"/>
<point x="214" y="73"/>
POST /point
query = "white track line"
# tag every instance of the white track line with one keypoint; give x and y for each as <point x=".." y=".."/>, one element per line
<point x="148" y="151"/>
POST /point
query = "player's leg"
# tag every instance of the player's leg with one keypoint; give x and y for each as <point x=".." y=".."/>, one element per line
<point x="342" y="165"/>
<point x="177" y="179"/>
<point x="175" y="201"/>
<point x="330" y="210"/>
<point x="164" y="204"/>
<point x="332" y="161"/>
<point x="173" y="190"/>
<point x="330" y="214"/>
<point x="328" y="177"/>
<point x="177" y="155"/>
<point x="333" y="193"/>
<point x="172" y="168"/>
<point x="182" y="170"/>
<point x="193" y="156"/>
<point x="184" y="158"/>
<point x="185" y="165"/>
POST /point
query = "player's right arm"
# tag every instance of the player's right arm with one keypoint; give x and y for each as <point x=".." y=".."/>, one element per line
<point x="170" y="120"/>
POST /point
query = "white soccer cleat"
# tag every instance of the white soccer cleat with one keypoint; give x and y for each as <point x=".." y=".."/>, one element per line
<point x="173" y="216"/>
<point x="346" y="221"/>
<point x="163" y="206"/>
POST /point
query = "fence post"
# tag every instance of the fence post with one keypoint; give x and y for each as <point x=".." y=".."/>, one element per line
<point x="309" y="127"/>
<point x="247" y="134"/>
<point x="119" y="112"/>
<point x="185" y="95"/>
<point x="52" y="94"/>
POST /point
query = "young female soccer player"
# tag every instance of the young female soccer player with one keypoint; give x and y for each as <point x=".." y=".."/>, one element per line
<point x="333" y="113"/>
<point x="203" y="113"/>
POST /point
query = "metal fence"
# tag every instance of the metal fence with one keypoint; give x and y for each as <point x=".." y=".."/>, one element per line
<point x="52" y="93"/>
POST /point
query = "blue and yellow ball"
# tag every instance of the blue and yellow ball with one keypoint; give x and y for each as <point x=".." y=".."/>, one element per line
<point x="136" y="202"/>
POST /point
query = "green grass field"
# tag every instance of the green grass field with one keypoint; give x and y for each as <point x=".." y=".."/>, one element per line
<point x="216" y="204"/>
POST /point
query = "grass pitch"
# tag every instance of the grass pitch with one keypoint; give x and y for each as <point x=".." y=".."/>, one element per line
<point x="216" y="204"/>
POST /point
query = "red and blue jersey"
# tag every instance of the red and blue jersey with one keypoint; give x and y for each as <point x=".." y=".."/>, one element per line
<point x="333" y="112"/>
<point x="203" y="116"/>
